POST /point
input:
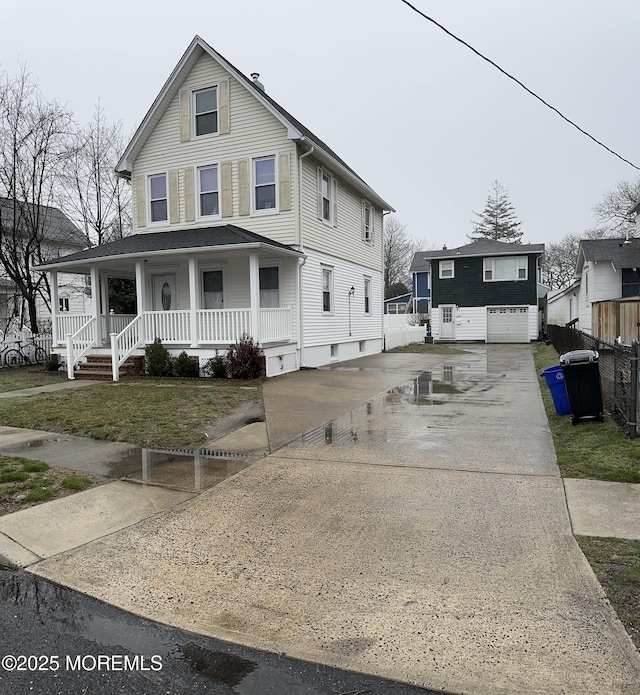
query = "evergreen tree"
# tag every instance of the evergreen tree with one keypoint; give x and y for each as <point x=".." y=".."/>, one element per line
<point x="498" y="220"/>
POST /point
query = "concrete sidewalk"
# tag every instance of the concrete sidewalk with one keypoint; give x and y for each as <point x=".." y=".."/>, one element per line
<point x="411" y="523"/>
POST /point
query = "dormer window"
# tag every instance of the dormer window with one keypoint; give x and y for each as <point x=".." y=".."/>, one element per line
<point x="206" y="111"/>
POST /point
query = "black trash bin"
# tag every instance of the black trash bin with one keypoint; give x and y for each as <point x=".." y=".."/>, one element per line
<point x="581" y="371"/>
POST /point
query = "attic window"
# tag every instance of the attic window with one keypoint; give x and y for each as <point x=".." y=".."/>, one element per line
<point x="206" y="111"/>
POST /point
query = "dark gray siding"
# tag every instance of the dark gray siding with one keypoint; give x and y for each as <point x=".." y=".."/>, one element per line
<point x="467" y="288"/>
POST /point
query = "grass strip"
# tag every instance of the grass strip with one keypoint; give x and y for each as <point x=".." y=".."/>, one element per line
<point x="594" y="450"/>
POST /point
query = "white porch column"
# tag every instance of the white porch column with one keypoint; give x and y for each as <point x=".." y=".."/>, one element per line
<point x="254" y="294"/>
<point x="55" y="306"/>
<point x="193" y="301"/>
<point x="104" y="298"/>
<point x="141" y="299"/>
<point x="95" y="294"/>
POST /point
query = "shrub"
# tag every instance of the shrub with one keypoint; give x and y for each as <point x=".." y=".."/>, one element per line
<point x="245" y="359"/>
<point x="186" y="366"/>
<point x="157" y="360"/>
<point x="216" y="367"/>
<point x="52" y="363"/>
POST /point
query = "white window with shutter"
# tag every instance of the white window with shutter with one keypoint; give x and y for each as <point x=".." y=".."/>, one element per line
<point x="327" y="198"/>
<point x="265" y="191"/>
<point x="208" y="192"/>
<point x="158" y="200"/>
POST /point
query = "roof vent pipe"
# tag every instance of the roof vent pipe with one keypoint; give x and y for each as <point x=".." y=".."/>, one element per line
<point x="256" y="81"/>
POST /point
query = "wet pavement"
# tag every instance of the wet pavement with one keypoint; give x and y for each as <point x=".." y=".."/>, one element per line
<point x="69" y="633"/>
<point x="410" y="523"/>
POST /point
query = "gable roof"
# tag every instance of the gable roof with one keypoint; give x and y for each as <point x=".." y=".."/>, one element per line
<point x="149" y="243"/>
<point x="483" y="247"/>
<point x="620" y="253"/>
<point x="56" y="226"/>
<point x="295" y="130"/>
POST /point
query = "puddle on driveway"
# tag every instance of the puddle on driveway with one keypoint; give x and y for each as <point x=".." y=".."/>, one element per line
<point x="370" y="422"/>
<point x="179" y="469"/>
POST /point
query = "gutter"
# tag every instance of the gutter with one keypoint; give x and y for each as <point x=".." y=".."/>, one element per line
<point x="301" y="248"/>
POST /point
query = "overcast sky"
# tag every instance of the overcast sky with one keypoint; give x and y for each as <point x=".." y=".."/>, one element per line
<point x="425" y="122"/>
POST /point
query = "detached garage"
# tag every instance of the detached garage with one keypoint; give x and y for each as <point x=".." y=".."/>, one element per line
<point x="508" y="324"/>
<point x="485" y="291"/>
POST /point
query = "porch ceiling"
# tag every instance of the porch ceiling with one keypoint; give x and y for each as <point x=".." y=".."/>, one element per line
<point x="224" y="238"/>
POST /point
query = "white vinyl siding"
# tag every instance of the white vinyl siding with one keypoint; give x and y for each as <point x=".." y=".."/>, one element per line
<point x="471" y="323"/>
<point x="253" y="131"/>
<point x="324" y="329"/>
<point x="344" y="241"/>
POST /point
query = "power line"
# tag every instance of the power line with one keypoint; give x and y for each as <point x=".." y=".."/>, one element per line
<point x="517" y="81"/>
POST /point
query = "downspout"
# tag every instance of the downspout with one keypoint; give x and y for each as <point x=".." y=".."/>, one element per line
<point x="301" y="247"/>
<point x="384" y="337"/>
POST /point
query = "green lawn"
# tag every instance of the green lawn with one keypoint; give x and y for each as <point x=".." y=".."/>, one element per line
<point x="429" y="349"/>
<point x="27" y="377"/>
<point x="24" y="483"/>
<point x="143" y="412"/>
<point x="600" y="451"/>
<point x="595" y="450"/>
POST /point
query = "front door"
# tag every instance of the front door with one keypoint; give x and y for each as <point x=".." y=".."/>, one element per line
<point x="164" y="292"/>
<point x="447" y="326"/>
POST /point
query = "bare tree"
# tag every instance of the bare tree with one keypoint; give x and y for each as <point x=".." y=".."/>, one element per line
<point x="34" y="142"/>
<point x="399" y="249"/>
<point x="559" y="263"/>
<point x="92" y="195"/>
<point x="611" y="213"/>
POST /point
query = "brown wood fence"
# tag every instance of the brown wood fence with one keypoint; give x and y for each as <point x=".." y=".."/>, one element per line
<point x="616" y="318"/>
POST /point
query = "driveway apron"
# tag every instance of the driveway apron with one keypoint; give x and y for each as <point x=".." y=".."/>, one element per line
<point x="410" y="522"/>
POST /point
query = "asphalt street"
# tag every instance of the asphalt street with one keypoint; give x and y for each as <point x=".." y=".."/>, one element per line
<point x="55" y="641"/>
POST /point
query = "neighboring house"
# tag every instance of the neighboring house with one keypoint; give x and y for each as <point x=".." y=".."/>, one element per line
<point x="421" y="284"/>
<point x="397" y="305"/>
<point x="244" y="223"/>
<point x="608" y="272"/>
<point x="59" y="237"/>
<point x="485" y="291"/>
<point x="562" y="305"/>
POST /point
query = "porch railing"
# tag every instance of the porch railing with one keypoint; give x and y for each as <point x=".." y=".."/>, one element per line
<point x="116" y="323"/>
<point x="223" y="325"/>
<point x="275" y="324"/>
<point x="169" y="326"/>
<point x="124" y="343"/>
<point x="70" y="324"/>
<point x="79" y="344"/>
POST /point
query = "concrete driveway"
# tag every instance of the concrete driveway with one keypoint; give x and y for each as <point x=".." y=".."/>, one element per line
<point x="412" y="525"/>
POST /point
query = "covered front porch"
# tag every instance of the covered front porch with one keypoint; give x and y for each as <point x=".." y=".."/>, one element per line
<point x="198" y="299"/>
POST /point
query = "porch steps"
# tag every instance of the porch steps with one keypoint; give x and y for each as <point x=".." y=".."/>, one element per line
<point x="99" y="367"/>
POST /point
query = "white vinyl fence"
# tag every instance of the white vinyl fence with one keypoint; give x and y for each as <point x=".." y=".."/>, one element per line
<point x="396" y="337"/>
<point x="23" y="339"/>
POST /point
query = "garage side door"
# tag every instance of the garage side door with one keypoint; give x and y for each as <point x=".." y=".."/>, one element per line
<point x="508" y="324"/>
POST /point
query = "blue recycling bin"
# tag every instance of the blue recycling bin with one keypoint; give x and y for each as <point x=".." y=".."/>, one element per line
<point x="554" y="377"/>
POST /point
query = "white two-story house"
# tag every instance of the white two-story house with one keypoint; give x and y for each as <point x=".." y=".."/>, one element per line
<point x="244" y="223"/>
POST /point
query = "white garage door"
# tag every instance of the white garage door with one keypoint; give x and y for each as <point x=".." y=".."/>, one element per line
<point x="508" y="324"/>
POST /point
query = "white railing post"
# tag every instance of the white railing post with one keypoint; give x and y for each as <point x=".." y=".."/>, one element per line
<point x="115" y="369"/>
<point x="70" y="373"/>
